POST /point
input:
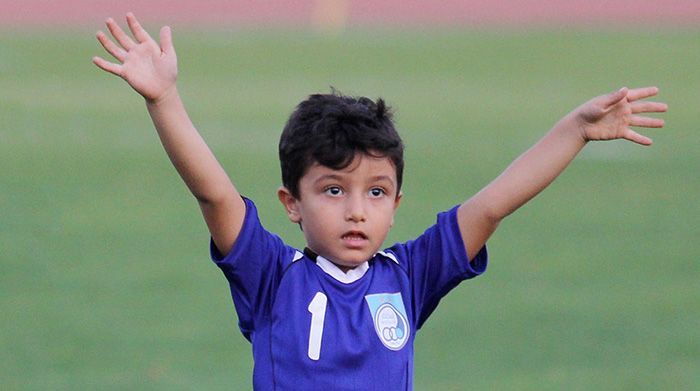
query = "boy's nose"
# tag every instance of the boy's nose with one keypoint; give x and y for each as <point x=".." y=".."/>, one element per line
<point x="355" y="210"/>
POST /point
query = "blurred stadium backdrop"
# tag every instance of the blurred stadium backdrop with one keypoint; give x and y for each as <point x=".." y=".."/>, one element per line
<point x="105" y="281"/>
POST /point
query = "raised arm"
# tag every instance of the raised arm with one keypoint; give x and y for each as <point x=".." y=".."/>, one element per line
<point x="151" y="70"/>
<point x="606" y="117"/>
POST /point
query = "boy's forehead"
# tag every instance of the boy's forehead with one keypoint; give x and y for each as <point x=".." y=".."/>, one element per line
<point x="363" y="165"/>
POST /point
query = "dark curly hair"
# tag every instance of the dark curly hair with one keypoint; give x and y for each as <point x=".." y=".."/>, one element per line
<point x="331" y="129"/>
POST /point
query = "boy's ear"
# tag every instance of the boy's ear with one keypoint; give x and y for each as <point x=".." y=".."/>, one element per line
<point x="397" y="202"/>
<point x="290" y="204"/>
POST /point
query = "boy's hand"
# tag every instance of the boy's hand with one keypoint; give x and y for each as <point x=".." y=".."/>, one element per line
<point x="149" y="68"/>
<point x="609" y="117"/>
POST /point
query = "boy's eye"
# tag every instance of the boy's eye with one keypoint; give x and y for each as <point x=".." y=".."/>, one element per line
<point x="377" y="192"/>
<point x="334" y="191"/>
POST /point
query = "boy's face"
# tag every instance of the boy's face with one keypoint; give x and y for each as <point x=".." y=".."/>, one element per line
<point x="346" y="214"/>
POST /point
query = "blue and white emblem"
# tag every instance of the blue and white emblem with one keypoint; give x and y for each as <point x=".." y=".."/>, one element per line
<point x="390" y="320"/>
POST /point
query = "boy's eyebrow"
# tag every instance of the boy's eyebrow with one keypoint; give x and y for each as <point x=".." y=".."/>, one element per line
<point x="379" y="178"/>
<point x="333" y="177"/>
<point x="338" y="177"/>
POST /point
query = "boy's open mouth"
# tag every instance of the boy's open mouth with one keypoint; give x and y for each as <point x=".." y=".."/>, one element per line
<point x="354" y="236"/>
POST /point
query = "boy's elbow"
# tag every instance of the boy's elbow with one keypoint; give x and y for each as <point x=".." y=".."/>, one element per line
<point x="215" y="196"/>
<point x="485" y="211"/>
<point x="494" y="216"/>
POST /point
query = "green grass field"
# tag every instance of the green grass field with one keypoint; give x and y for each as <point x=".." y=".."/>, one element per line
<point x="105" y="279"/>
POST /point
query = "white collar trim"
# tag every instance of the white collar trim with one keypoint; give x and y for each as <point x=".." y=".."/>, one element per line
<point x="389" y="255"/>
<point x="334" y="271"/>
<point x="297" y="256"/>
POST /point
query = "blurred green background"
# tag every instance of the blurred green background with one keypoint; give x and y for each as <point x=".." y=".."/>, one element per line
<point x="105" y="280"/>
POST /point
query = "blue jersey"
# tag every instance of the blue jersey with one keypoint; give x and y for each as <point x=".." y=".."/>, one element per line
<point x="314" y="328"/>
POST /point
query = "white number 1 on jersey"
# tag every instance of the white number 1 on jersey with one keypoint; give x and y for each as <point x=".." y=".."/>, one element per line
<point x="317" y="307"/>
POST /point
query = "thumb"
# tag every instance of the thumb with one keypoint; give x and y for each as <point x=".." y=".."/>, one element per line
<point x="614" y="97"/>
<point x="166" y="40"/>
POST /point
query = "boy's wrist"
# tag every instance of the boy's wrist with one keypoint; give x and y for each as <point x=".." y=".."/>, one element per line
<point x="573" y="125"/>
<point x="168" y="95"/>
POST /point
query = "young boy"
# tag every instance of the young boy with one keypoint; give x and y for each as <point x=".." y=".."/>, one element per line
<point x="342" y="314"/>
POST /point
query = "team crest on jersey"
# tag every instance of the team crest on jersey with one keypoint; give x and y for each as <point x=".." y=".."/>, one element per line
<point x="390" y="320"/>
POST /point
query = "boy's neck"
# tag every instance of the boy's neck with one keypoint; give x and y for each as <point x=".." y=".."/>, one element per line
<point x="311" y="254"/>
<point x="343" y="268"/>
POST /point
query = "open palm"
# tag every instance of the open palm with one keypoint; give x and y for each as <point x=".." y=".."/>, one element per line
<point x="609" y="117"/>
<point x="149" y="68"/>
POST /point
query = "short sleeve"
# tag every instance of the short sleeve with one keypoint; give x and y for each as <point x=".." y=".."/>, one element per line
<point x="437" y="262"/>
<point x="253" y="268"/>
